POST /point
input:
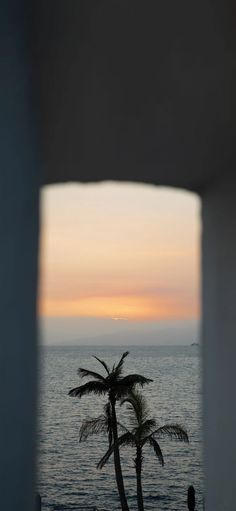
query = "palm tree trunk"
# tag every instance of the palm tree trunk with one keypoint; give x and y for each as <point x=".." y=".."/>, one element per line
<point x="138" y="463"/>
<point x="117" y="463"/>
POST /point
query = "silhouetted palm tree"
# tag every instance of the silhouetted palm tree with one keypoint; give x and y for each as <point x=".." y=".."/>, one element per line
<point x="144" y="432"/>
<point x="101" y="424"/>
<point x="116" y="386"/>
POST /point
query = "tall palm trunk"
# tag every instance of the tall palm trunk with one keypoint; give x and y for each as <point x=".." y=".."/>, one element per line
<point x="117" y="463"/>
<point x="138" y="463"/>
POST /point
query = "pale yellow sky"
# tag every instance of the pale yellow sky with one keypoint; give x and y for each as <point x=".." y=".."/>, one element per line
<point x="123" y="251"/>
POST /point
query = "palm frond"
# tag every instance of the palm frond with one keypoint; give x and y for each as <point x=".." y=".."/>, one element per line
<point x="126" y="439"/>
<point x="103" y="364"/>
<point x="134" y="379"/>
<point x="157" y="449"/>
<point x="91" y="387"/>
<point x="86" y="372"/>
<point x="128" y="383"/>
<point x="146" y="427"/>
<point x="173" y="431"/>
<point x="119" y="367"/>
<point x="137" y="404"/>
<point x="121" y="391"/>
<point x="122" y="427"/>
<point x="105" y="458"/>
<point x="93" y="427"/>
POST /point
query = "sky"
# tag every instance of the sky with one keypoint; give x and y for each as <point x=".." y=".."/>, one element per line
<point x="119" y="262"/>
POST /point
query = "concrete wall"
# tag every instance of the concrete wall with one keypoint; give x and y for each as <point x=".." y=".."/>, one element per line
<point x="137" y="90"/>
<point x="219" y="342"/>
<point x="19" y="185"/>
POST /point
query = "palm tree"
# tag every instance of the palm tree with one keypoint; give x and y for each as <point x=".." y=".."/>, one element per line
<point x="144" y="432"/>
<point x="101" y="424"/>
<point x="116" y="386"/>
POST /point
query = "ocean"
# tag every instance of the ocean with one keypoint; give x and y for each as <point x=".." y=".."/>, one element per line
<point x="67" y="474"/>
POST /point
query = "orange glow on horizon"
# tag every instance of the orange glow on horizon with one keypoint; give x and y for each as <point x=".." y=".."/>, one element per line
<point x="135" y="308"/>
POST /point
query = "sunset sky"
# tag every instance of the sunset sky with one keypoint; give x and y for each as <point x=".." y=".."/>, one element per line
<point x="123" y="253"/>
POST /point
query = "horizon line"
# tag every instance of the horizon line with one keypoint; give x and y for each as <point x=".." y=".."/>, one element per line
<point x="116" y="345"/>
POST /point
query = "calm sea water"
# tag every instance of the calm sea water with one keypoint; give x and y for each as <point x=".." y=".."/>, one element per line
<point x="68" y="478"/>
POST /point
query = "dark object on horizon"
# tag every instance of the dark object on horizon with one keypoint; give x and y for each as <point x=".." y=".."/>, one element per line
<point x="191" y="498"/>
<point x="38" y="502"/>
<point x="195" y="344"/>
